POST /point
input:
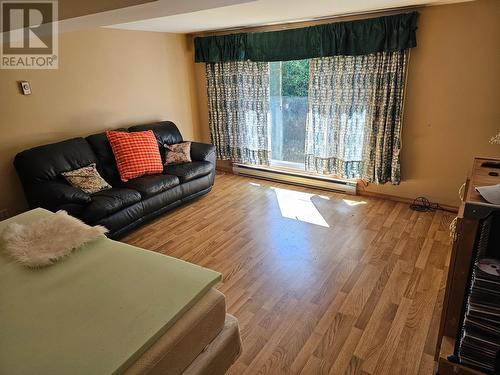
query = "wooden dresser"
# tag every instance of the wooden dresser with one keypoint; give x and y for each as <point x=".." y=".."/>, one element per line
<point x="472" y="209"/>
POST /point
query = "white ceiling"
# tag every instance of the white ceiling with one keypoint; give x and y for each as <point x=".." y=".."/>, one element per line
<point x="264" y="12"/>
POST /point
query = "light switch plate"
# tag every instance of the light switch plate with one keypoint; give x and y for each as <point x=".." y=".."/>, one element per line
<point x="25" y="87"/>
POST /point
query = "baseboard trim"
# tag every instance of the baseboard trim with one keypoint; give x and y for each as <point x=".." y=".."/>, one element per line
<point x="400" y="199"/>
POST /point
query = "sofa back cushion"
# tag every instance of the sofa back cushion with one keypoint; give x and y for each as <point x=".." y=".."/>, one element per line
<point x="136" y="153"/>
<point x="166" y="133"/>
<point x="46" y="163"/>
<point x="107" y="163"/>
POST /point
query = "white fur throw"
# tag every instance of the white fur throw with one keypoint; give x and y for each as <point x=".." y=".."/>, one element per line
<point x="44" y="242"/>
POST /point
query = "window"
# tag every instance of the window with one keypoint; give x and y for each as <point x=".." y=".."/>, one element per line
<point x="289" y="82"/>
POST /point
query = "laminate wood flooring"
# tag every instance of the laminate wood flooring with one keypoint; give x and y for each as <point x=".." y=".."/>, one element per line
<point x="321" y="282"/>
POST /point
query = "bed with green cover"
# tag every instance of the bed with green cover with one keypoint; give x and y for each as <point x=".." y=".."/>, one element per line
<point x="112" y="308"/>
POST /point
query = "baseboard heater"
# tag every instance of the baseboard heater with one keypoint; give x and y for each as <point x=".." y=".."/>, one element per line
<point x="347" y="187"/>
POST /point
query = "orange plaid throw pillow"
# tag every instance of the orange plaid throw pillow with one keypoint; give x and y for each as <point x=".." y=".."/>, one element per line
<point x="136" y="153"/>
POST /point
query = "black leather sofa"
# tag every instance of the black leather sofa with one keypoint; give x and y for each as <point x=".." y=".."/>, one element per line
<point x="127" y="204"/>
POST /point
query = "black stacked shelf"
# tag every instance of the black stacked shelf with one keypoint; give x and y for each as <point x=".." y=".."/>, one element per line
<point x="478" y="340"/>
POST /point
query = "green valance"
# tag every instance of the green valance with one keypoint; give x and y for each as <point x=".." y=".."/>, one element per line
<point x="360" y="37"/>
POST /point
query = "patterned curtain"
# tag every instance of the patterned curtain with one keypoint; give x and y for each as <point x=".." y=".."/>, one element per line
<point x="354" y="120"/>
<point x="238" y="108"/>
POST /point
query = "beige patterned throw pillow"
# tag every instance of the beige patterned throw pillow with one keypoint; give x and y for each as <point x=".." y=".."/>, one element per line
<point x="178" y="153"/>
<point x="87" y="178"/>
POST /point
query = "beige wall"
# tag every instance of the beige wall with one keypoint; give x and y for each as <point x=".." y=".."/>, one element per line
<point x="106" y="79"/>
<point x="452" y="102"/>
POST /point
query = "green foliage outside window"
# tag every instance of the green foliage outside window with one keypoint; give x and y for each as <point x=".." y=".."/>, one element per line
<point x="295" y="78"/>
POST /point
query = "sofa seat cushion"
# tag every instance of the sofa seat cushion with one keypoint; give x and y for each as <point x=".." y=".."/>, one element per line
<point x="189" y="171"/>
<point x="151" y="185"/>
<point x="107" y="202"/>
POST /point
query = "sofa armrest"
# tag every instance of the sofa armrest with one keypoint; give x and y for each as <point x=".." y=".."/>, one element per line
<point x="203" y="152"/>
<point x="54" y="194"/>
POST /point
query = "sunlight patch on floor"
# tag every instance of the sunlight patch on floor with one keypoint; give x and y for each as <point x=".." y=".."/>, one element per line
<point x="353" y="203"/>
<point x="298" y="205"/>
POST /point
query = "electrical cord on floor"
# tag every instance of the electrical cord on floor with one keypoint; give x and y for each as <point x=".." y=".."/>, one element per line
<point x="422" y="204"/>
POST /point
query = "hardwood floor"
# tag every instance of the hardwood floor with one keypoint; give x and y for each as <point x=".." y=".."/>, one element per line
<point x="353" y="286"/>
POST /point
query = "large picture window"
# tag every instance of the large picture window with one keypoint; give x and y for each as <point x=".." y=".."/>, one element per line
<point x="326" y="99"/>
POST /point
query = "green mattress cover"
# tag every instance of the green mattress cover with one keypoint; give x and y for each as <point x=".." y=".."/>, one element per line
<point x="96" y="311"/>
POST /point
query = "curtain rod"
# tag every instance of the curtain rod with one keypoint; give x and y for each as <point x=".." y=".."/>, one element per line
<point x="300" y="23"/>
